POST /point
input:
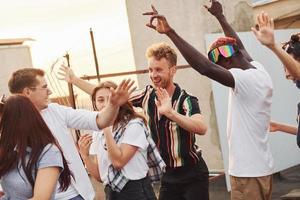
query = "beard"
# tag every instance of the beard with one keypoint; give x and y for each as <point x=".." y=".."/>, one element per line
<point x="162" y="84"/>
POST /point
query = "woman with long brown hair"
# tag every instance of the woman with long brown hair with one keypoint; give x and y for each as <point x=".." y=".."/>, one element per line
<point x="31" y="161"/>
<point x="122" y="163"/>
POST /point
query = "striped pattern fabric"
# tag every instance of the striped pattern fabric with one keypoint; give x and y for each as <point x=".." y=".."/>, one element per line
<point x="176" y="145"/>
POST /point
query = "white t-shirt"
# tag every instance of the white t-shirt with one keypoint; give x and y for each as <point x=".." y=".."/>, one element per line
<point x="249" y="110"/>
<point x="137" y="167"/>
<point x="94" y="148"/>
<point x="59" y="119"/>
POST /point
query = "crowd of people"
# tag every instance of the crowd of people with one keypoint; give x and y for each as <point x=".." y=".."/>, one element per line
<point x="128" y="150"/>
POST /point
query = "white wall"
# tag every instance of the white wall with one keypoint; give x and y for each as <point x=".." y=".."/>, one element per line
<point x="12" y="57"/>
<point x="284" y="106"/>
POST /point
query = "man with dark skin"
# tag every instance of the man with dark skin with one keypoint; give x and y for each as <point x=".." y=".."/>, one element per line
<point x="250" y="159"/>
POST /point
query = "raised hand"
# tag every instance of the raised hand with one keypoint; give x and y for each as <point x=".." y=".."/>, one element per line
<point x="162" y="25"/>
<point x="215" y="8"/>
<point x="84" y="144"/>
<point x="66" y="73"/>
<point x="264" y="32"/>
<point x="121" y="94"/>
<point x="163" y="103"/>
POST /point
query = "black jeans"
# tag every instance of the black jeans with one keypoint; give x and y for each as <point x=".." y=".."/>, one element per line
<point x="185" y="183"/>
<point x="133" y="190"/>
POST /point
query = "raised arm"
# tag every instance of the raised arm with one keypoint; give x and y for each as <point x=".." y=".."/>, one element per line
<point x="117" y="97"/>
<point x="265" y="35"/>
<point x="197" y="60"/>
<point x="67" y="74"/>
<point x="193" y="124"/>
<point x="216" y="10"/>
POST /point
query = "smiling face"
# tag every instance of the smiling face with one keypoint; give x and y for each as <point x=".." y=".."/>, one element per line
<point x="161" y="72"/>
<point x="101" y="98"/>
<point x="39" y="94"/>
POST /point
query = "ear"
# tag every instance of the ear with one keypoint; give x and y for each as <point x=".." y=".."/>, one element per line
<point x="173" y="70"/>
<point x="26" y="92"/>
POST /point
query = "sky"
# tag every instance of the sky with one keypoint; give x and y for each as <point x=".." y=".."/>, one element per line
<point x="60" y="26"/>
<point x="63" y="26"/>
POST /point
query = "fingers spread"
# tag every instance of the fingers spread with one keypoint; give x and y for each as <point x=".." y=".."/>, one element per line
<point x="260" y="19"/>
<point x="165" y="93"/>
<point x="159" y="93"/>
<point x="132" y="90"/>
<point x="130" y="84"/>
<point x="121" y="85"/>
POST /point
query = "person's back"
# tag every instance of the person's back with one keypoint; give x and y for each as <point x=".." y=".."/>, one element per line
<point x="16" y="185"/>
<point x="29" y="153"/>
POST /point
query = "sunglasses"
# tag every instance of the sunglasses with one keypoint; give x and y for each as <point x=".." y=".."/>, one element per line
<point x="226" y="51"/>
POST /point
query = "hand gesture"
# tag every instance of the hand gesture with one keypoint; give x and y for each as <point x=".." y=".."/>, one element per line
<point x="264" y="32"/>
<point x="120" y="95"/>
<point x="215" y="8"/>
<point x="163" y="102"/>
<point x="84" y="144"/>
<point x="162" y="25"/>
<point x="66" y="73"/>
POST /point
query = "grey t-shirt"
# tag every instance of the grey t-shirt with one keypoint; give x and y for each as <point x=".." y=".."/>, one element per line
<point x="15" y="184"/>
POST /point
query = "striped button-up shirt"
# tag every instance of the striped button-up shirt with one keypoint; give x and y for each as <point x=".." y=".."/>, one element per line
<point x="176" y="145"/>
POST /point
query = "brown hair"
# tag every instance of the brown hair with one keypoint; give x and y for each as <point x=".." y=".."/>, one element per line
<point x="293" y="46"/>
<point x="23" y="78"/>
<point x="126" y="111"/>
<point x="162" y="50"/>
<point x="22" y="126"/>
<point x="2" y="102"/>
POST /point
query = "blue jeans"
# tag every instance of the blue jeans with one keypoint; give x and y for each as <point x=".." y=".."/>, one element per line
<point x="78" y="197"/>
<point x="133" y="190"/>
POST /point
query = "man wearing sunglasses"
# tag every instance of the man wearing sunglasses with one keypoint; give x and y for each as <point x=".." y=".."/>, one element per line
<point x="250" y="159"/>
